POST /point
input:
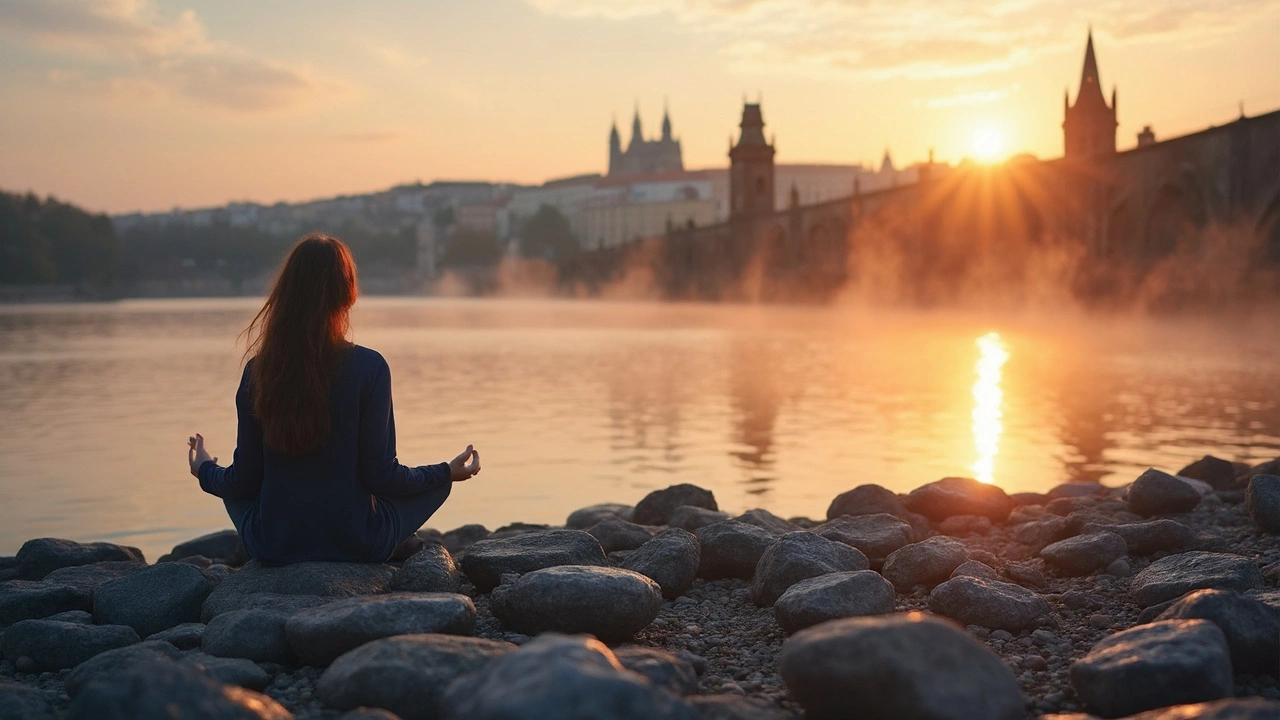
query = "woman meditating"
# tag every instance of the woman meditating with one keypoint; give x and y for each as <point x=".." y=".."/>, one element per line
<point x="315" y="474"/>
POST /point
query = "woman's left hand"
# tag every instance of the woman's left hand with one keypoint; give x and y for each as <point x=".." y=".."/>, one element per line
<point x="196" y="454"/>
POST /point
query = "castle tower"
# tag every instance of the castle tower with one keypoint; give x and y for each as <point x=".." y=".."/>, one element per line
<point x="1089" y="126"/>
<point x="751" y="167"/>
<point x="615" y="148"/>
<point x="666" y="124"/>
<point x="637" y="136"/>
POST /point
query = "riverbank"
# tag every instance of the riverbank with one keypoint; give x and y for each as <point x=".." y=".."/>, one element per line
<point x="1025" y="606"/>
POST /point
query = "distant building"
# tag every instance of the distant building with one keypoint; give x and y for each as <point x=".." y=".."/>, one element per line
<point x="1147" y="136"/>
<point x="644" y="157"/>
<point x="627" y="208"/>
<point x="751" y="178"/>
<point x="1089" y="126"/>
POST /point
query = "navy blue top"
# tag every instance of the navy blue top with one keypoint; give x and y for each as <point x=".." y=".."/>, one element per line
<point x="324" y="505"/>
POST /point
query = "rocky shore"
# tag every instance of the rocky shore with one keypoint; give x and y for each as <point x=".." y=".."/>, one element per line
<point x="1155" y="601"/>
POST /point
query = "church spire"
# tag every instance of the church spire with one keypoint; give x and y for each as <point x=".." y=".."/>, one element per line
<point x="1090" y="84"/>
<point x="666" y="121"/>
<point x="636" y="134"/>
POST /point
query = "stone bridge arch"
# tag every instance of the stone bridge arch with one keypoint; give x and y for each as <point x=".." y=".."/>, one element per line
<point x="1179" y="210"/>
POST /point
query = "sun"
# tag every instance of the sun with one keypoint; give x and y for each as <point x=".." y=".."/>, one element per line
<point x="987" y="144"/>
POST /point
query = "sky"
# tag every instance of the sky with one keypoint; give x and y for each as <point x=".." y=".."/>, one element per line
<point x="128" y="105"/>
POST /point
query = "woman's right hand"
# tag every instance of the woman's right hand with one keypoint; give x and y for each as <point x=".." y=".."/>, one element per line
<point x="460" y="469"/>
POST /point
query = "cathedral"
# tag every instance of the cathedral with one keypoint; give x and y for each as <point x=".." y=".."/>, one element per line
<point x="644" y="157"/>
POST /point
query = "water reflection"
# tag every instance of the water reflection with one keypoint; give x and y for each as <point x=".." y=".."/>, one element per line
<point x="987" y="401"/>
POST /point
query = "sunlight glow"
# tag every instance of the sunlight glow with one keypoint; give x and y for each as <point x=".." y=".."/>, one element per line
<point x="987" y="144"/>
<point x="987" y="399"/>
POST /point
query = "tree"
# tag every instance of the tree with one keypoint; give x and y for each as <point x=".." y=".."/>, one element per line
<point x="547" y="235"/>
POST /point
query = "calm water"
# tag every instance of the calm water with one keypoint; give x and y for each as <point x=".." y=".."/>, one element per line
<point x="573" y="403"/>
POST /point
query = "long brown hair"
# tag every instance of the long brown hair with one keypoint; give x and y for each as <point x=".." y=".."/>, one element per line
<point x="297" y="340"/>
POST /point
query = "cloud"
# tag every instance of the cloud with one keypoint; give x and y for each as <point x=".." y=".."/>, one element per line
<point x="129" y="46"/>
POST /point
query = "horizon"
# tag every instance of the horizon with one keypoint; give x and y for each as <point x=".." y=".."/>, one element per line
<point x="133" y="105"/>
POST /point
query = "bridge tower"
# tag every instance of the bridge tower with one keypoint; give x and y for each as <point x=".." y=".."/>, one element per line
<point x="1089" y="126"/>
<point x="751" y="168"/>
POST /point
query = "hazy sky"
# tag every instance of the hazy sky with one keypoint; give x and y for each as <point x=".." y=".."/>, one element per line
<point x="122" y="105"/>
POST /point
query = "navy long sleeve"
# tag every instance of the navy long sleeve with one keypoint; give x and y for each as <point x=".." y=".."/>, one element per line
<point x="324" y="505"/>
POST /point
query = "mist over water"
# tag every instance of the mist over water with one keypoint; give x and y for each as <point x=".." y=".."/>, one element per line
<point x="578" y="402"/>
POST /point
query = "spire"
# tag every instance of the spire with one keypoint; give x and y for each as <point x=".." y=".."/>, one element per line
<point x="1090" y="85"/>
<point x="886" y="165"/>
<point x="636" y="134"/>
<point x="614" y="137"/>
<point x="666" y="121"/>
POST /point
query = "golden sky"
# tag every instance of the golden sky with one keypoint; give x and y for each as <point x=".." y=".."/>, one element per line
<point x="123" y="105"/>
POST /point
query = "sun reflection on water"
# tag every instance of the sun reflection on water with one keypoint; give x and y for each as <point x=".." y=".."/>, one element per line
<point x="987" y="399"/>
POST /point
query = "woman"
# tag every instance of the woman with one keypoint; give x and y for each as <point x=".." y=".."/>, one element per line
<point x="315" y="474"/>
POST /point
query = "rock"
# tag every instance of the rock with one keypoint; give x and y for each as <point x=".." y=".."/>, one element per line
<point x="1119" y="568"/>
<point x="32" y="600"/>
<point x="91" y="576"/>
<point x="833" y="596"/>
<point x="973" y="568"/>
<point x="1252" y="629"/>
<point x="1026" y="575"/>
<point x="517" y="528"/>
<point x="656" y="507"/>
<point x="670" y="559"/>
<point x="959" y="496"/>
<point x="406" y="674"/>
<point x="23" y="702"/>
<point x="1159" y="493"/>
<point x="487" y="560"/>
<point x="1176" y="575"/>
<point x="37" y="558"/>
<point x="53" y="645"/>
<point x="897" y="667"/>
<point x="251" y="633"/>
<point x="232" y="671"/>
<point x="1254" y="708"/>
<point x="875" y="535"/>
<point x="729" y="707"/>
<point x="72" y="616"/>
<point x="153" y="599"/>
<point x="690" y="517"/>
<point x="458" y="540"/>
<point x="768" y="521"/>
<point x="567" y="678"/>
<point x="1152" y="536"/>
<point x="430" y="570"/>
<point x="183" y="637"/>
<point x="1150" y="666"/>
<point x="1219" y="473"/>
<point x="583" y="518"/>
<point x="960" y="525"/>
<point x="610" y="603"/>
<point x="731" y="549"/>
<point x="614" y="533"/>
<point x="989" y="603"/>
<point x="866" y="500"/>
<point x="1042" y="532"/>
<point x="797" y="556"/>
<point x="322" y="579"/>
<point x="321" y="634"/>
<point x="661" y="667"/>
<point x="1262" y="501"/>
<point x="369" y="713"/>
<point x="103" y="665"/>
<point x="924" y="563"/>
<point x="164" y="690"/>
<point x="1083" y="554"/>
<point x="1076" y="489"/>
<point x="222" y="546"/>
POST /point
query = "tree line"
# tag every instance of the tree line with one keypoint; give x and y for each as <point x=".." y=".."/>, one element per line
<point x="49" y="241"/>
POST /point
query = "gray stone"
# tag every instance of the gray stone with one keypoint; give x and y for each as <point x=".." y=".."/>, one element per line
<point x="32" y="600"/>
<point x="406" y="674"/>
<point x="23" y="702"/>
<point x="657" y="507"/>
<point x="72" y="616"/>
<point x="1026" y="575"/>
<point x="1041" y="532"/>
<point x="369" y="713"/>
<point x="897" y="667"/>
<point x="153" y="599"/>
<point x="670" y="559"/>
<point x="661" y="667"/>
<point x="1262" y="500"/>
<point x="1075" y="489"/>
<point x="961" y="525"/>
<point x="39" y="557"/>
<point x="989" y="603"/>
<point x="1152" y="536"/>
<point x="1159" y="493"/>
<point x="730" y="707"/>
<point x="1084" y="554"/>
<point x="232" y="671"/>
<point x="1219" y="473"/>
<point x="1150" y="666"/>
<point x="959" y="496"/>
<point x="517" y="528"/>
<point x="460" y="539"/>
<point x="251" y="633"/>
<point x="164" y="690"/>
<point x="614" y="533"/>
<point x="691" y="517"/>
<point x="866" y="500"/>
<point x="1253" y="708"/>
<point x="105" y="664"/>
<point x="797" y="556"/>
<point x="487" y="560"/>
<point x="767" y="520"/>
<point x="833" y="596"/>
<point x="1176" y="575"/>
<point x="89" y="577"/>
<point x="567" y="678"/>
<point x="731" y="549"/>
<point x="322" y="579"/>
<point x="610" y="603"/>
<point x="222" y="546"/>
<point x="183" y="637"/>
<point x="430" y="570"/>
<point x="973" y="568"/>
<point x="583" y="518"/>
<point x="1251" y="628"/>
<point x="875" y="535"/>
<point x="321" y="634"/>
<point x="927" y="563"/>
<point x="53" y="645"/>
